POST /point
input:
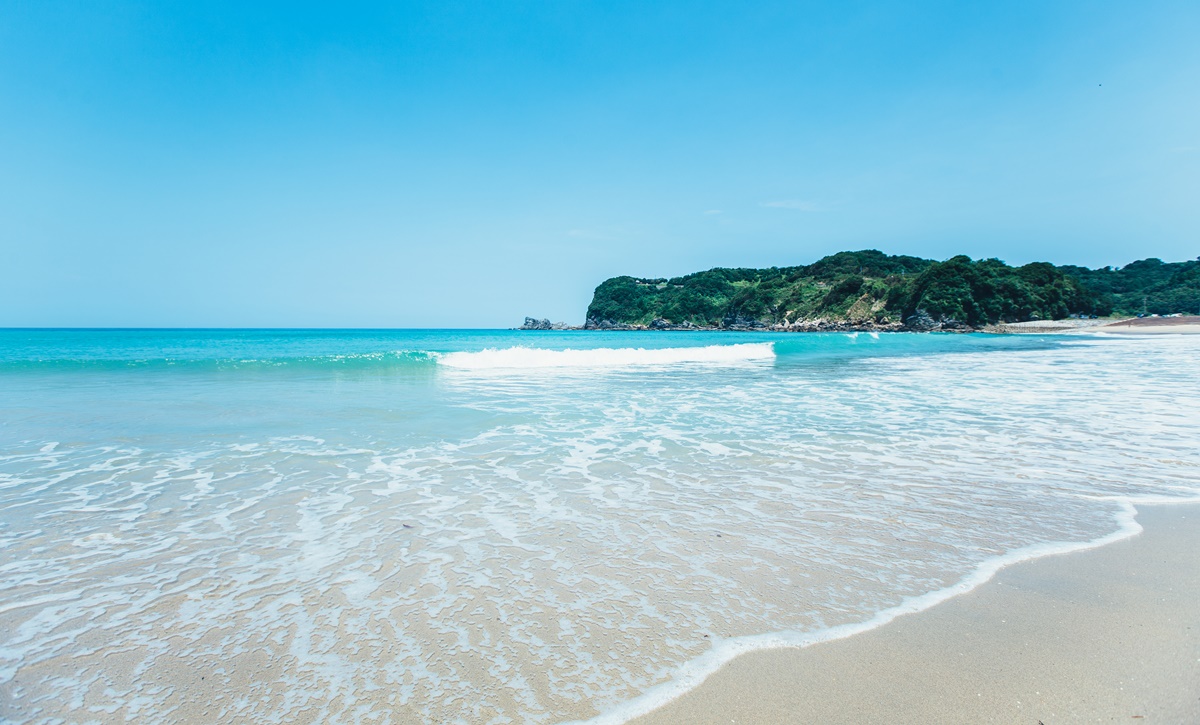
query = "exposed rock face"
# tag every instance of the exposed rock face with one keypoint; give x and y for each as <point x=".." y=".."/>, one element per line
<point x="594" y="324"/>
<point x="921" y="321"/>
<point x="740" y="324"/>
<point x="736" y="322"/>
<point x="823" y="325"/>
<point x="532" y="323"/>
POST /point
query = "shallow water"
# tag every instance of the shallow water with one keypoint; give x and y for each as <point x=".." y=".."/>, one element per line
<point x="448" y="526"/>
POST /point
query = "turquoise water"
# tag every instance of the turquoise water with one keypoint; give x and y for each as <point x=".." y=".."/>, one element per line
<point x="246" y="384"/>
<point x="498" y="526"/>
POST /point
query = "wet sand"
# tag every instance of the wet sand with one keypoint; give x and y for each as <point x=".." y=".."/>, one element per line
<point x="1106" y="635"/>
<point x="1189" y="325"/>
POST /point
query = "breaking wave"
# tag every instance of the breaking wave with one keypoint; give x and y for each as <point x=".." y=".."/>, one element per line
<point x="607" y="357"/>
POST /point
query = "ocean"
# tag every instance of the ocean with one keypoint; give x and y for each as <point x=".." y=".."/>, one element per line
<point x="509" y="527"/>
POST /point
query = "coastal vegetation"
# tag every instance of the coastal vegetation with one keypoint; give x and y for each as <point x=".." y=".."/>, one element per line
<point x="870" y="289"/>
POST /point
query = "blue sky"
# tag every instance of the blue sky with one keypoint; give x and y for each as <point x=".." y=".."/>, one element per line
<point x="466" y="164"/>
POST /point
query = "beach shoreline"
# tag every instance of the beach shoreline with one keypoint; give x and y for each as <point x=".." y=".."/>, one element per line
<point x="1184" y="325"/>
<point x="1187" y="325"/>
<point x="560" y="531"/>
<point x="1106" y="633"/>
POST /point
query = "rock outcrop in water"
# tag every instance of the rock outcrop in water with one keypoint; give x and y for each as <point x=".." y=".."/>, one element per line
<point x="532" y="323"/>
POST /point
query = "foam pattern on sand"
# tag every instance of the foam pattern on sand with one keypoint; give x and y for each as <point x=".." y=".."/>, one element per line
<point x="565" y="543"/>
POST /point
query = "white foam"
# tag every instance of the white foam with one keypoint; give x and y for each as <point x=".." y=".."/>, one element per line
<point x="692" y="674"/>
<point x="608" y="357"/>
<point x="654" y="514"/>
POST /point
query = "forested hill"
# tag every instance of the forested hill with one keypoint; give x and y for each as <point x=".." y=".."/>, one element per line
<point x="870" y="289"/>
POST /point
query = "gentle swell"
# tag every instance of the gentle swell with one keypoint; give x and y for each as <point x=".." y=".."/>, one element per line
<point x="607" y="357"/>
<point x="398" y="360"/>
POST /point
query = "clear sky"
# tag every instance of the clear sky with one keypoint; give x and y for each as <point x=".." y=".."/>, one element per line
<point x="465" y="164"/>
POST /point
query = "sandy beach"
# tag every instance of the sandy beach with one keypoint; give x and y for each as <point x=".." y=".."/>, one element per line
<point x="1188" y="325"/>
<point x="1106" y="635"/>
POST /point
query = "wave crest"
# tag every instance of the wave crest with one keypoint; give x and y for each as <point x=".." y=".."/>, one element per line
<point x="517" y="358"/>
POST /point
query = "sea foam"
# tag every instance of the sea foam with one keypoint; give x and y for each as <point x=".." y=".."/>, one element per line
<point x="485" y="548"/>
<point x="525" y="358"/>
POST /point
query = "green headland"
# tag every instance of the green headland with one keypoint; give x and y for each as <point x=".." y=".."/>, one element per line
<point x="872" y="290"/>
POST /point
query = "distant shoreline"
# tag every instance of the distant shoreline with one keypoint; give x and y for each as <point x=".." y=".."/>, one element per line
<point x="1185" y="325"/>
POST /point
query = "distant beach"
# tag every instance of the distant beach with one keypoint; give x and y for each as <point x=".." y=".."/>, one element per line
<point x="1181" y="325"/>
<point x="1185" y="325"/>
